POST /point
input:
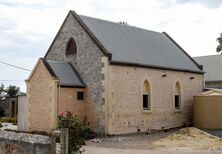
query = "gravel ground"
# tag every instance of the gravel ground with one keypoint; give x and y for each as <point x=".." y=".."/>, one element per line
<point x="143" y="143"/>
<point x="131" y="141"/>
<point x="100" y="150"/>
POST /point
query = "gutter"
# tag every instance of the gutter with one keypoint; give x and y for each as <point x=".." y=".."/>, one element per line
<point x="152" y="66"/>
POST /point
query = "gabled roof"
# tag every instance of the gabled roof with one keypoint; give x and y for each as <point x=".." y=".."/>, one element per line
<point x="128" y="45"/>
<point x="212" y="65"/>
<point x="135" y="45"/>
<point x="66" y="73"/>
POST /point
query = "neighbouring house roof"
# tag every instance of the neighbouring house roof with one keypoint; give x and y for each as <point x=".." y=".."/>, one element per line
<point x="211" y="92"/>
<point x="132" y="46"/>
<point x="66" y="73"/>
<point x="212" y="65"/>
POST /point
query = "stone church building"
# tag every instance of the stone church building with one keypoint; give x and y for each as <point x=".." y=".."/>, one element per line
<point x="124" y="79"/>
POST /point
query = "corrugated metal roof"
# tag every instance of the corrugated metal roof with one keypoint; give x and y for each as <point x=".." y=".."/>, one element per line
<point x="211" y="92"/>
<point x="212" y="65"/>
<point x="135" y="45"/>
<point x="66" y="73"/>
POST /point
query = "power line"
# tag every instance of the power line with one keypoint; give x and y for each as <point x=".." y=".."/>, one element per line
<point x="15" y="66"/>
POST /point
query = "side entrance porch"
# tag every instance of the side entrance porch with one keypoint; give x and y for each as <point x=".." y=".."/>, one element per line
<point x="53" y="87"/>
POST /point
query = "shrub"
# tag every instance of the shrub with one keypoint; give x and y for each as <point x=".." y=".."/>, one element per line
<point x="78" y="130"/>
<point x="9" y="120"/>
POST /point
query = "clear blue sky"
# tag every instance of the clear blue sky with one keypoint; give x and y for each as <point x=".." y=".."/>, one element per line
<point x="28" y="27"/>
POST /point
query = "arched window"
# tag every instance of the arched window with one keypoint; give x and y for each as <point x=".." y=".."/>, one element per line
<point x="177" y="96"/>
<point x="146" y="95"/>
<point x="71" y="47"/>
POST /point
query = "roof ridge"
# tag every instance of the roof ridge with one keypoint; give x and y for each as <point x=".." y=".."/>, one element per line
<point x="208" y="56"/>
<point x="131" y="26"/>
<point x="77" y="73"/>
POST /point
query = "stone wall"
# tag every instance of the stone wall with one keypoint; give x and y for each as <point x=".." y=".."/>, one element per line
<point x="23" y="143"/>
<point x="88" y="62"/>
<point x="21" y="113"/>
<point x="125" y="112"/>
<point x="41" y="111"/>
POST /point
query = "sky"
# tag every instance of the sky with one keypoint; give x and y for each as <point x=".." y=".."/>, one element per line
<point x="27" y="27"/>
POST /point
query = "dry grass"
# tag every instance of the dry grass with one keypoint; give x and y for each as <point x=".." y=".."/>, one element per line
<point x="190" y="137"/>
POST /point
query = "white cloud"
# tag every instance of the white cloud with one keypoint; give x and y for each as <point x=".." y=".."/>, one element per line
<point x="23" y="88"/>
<point x="206" y="3"/>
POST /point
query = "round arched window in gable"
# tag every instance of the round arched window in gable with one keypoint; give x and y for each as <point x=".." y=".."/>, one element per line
<point x="71" y="47"/>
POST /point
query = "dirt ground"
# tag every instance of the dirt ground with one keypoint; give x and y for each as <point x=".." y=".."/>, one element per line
<point x="191" y="138"/>
<point x="134" y="141"/>
<point x="175" y="139"/>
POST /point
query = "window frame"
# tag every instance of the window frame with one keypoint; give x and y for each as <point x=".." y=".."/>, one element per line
<point x="77" y="98"/>
<point x="148" y="101"/>
<point x="179" y="103"/>
<point x="71" y="41"/>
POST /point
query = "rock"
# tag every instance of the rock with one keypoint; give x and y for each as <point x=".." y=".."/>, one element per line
<point x="97" y="140"/>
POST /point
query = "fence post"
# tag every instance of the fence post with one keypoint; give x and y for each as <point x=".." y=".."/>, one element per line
<point x="64" y="140"/>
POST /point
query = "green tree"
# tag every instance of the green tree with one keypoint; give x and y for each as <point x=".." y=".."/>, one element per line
<point x="12" y="91"/>
<point x="219" y="47"/>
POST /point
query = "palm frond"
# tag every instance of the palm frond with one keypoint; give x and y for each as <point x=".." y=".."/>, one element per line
<point x="219" y="48"/>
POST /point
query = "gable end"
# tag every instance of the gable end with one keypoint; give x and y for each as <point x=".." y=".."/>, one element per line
<point x="88" y="32"/>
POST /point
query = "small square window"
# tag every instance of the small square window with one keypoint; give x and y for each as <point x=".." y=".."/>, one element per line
<point x="80" y="95"/>
<point x="146" y="101"/>
<point x="177" y="101"/>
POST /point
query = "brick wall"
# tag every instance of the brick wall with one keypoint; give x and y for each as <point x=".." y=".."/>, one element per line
<point x="68" y="101"/>
<point x="125" y="114"/>
<point x="40" y="99"/>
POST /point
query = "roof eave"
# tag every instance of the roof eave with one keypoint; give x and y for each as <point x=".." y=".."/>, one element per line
<point x="48" y="67"/>
<point x="153" y="66"/>
<point x="170" y="38"/>
<point x="72" y="86"/>
<point x="215" y="81"/>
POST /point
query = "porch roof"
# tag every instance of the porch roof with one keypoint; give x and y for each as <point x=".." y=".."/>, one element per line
<point x="67" y="74"/>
